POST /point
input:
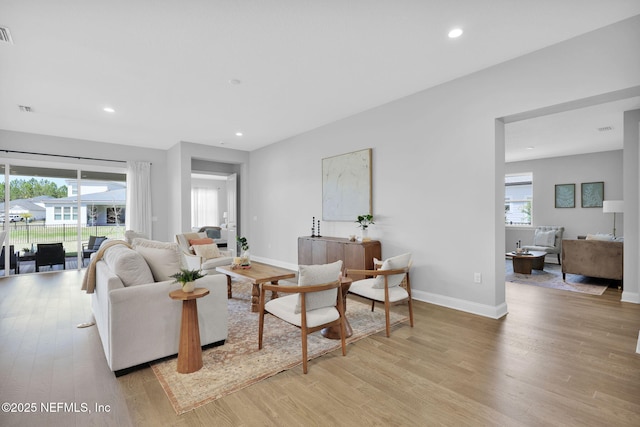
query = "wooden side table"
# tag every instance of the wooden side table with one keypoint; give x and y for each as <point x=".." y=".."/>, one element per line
<point x="333" y="332"/>
<point x="189" y="351"/>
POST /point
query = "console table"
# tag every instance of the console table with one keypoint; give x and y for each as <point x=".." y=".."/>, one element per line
<point x="324" y="250"/>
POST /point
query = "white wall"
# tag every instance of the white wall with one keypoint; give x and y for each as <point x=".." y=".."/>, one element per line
<point x="181" y="158"/>
<point x="438" y="162"/>
<point x="604" y="166"/>
<point x="20" y="141"/>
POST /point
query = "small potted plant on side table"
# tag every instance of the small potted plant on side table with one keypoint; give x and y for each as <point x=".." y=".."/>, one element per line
<point x="187" y="278"/>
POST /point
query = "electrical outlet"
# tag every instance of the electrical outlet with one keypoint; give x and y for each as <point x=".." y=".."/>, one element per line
<point x="477" y="277"/>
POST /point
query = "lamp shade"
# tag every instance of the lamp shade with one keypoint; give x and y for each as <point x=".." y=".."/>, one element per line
<point x="613" y="206"/>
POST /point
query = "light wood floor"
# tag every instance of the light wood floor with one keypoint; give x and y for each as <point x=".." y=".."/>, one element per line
<point x="558" y="358"/>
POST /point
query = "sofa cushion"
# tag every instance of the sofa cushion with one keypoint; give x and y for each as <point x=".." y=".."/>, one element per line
<point x="128" y="265"/>
<point x="163" y="258"/>
<point x="130" y="235"/>
<point x="544" y="238"/>
<point x="207" y="251"/>
<point x="309" y="275"/>
<point x="393" y="263"/>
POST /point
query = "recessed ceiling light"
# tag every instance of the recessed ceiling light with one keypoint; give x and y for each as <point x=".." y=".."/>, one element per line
<point x="108" y="110"/>
<point x="238" y="133"/>
<point x="530" y="148"/>
<point x="234" y="82"/>
<point x="455" y="33"/>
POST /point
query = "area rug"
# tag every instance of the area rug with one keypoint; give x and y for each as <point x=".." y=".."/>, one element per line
<point x="238" y="363"/>
<point x="551" y="277"/>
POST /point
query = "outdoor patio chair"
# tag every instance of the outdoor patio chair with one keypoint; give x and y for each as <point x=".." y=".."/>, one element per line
<point x="92" y="246"/>
<point x="50" y="254"/>
<point x="14" y="262"/>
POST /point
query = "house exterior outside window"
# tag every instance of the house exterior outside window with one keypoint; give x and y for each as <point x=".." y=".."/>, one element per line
<point x="518" y="199"/>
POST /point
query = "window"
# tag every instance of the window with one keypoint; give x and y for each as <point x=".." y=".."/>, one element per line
<point x="518" y="198"/>
<point x="57" y="213"/>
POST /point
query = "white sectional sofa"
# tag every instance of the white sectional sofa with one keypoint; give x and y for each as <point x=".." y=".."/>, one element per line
<point x="137" y="320"/>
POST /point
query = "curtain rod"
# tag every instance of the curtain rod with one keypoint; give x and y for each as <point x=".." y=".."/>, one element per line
<point x="65" y="156"/>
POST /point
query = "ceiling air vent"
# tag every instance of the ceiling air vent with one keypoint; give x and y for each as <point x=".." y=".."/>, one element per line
<point x="25" y="108"/>
<point x="605" y="129"/>
<point x="5" y="35"/>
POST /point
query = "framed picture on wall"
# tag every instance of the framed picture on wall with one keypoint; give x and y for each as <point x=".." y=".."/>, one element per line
<point x="346" y="186"/>
<point x="565" y="195"/>
<point x="592" y="194"/>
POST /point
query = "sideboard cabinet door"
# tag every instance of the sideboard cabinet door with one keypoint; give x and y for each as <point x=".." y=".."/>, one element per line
<point x="324" y="250"/>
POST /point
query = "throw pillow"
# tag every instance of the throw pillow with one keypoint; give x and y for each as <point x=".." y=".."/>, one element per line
<point x="544" y="238"/>
<point x="207" y="251"/>
<point x="201" y="241"/>
<point x="393" y="263"/>
<point x="309" y="275"/>
<point x="128" y="265"/>
<point x="164" y="258"/>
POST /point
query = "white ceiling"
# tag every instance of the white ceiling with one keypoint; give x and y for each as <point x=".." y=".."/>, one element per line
<point x="572" y="132"/>
<point x="165" y="65"/>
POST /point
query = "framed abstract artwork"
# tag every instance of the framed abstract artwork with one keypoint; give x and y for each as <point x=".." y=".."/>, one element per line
<point x="565" y="196"/>
<point x="346" y="186"/>
<point x="592" y="194"/>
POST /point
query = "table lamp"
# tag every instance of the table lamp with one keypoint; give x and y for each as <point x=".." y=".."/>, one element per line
<point x="614" y="207"/>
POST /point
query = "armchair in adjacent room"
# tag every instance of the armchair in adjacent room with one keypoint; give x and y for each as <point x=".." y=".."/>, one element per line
<point x="547" y="238"/>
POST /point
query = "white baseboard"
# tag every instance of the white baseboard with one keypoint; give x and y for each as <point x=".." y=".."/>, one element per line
<point x="493" y="312"/>
<point x="630" y="297"/>
<point x="277" y="263"/>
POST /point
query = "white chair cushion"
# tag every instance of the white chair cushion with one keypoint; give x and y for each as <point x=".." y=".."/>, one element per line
<point x="163" y="258"/>
<point x="128" y="265"/>
<point x="285" y="309"/>
<point x="208" y="251"/>
<point x="393" y="263"/>
<point x="366" y="289"/>
<point x="309" y="275"/>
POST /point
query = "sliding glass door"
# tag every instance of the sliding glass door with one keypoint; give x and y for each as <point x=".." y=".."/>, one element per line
<point x="56" y="211"/>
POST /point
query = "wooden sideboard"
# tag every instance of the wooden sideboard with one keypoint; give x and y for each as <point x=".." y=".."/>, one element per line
<point x="324" y="250"/>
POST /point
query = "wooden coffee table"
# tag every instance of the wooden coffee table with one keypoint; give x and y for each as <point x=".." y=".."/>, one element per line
<point x="257" y="274"/>
<point x="524" y="263"/>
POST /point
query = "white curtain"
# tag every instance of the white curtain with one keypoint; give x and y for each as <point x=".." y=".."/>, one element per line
<point x="138" y="215"/>
<point x="204" y="206"/>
